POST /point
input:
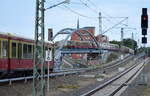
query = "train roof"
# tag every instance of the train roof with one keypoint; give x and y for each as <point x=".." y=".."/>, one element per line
<point x="17" y="36"/>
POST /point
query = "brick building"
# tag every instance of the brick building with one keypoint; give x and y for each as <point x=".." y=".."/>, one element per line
<point x="75" y="37"/>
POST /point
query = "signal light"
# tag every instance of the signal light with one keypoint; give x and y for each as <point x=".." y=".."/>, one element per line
<point x="50" y="34"/>
<point x="144" y="31"/>
<point x="144" y="18"/>
<point x="144" y="40"/>
<point x="144" y="21"/>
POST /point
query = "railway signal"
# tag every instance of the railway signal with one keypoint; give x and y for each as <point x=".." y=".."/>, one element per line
<point x="144" y="19"/>
<point x="144" y="40"/>
<point x="144" y="24"/>
<point x="50" y="34"/>
<point x="144" y="31"/>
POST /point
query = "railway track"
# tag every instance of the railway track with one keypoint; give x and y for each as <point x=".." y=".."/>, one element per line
<point x="66" y="72"/>
<point x="114" y="85"/>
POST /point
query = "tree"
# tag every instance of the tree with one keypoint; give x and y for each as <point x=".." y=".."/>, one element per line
<point x="126" y="42"/>
<point x="130" y="43"/>
<point x="115" y="42"/>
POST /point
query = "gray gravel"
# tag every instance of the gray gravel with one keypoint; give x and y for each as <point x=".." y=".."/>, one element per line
<point x="136" y="89"/>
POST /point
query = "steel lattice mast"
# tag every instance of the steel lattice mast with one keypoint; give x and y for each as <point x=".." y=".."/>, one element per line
<point x="39" y="61"/>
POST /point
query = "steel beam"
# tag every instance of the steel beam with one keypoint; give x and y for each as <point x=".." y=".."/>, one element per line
<point x="39" y="62"/>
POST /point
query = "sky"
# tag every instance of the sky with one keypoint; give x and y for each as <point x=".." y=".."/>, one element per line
<point x="18" y="16"/>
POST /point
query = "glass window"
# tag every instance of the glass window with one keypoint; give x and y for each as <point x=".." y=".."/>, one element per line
<point x="5" y="49"/>
<point x="19" y="50"/>
<point x="14" y="50"/>
<point x="0" y="49"/>
<point x="27" y="51"/>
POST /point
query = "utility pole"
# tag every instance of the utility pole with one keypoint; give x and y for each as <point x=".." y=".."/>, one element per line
<point x="100" y="23"/>
<point x="133" y="40"/>
<point x="122" y="35"/>
<point x="100" y="33"/>
<point x="39" y="54"/>
<point x="39" y="49"/>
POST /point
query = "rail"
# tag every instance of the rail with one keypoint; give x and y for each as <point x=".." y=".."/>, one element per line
<point x="102" y="86"/>
<point x="64" y="72"/>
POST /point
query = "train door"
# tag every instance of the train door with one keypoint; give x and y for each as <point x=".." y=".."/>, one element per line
<point x="14" y="62"/>
<point x="4" y="55"/>
<point x="19" y="52"/>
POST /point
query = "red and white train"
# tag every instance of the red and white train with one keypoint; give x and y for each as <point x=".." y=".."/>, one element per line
<point x="105" y="46"/>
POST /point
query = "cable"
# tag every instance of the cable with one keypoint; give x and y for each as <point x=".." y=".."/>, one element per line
<point x="71" y="10"/>
<point x="95" y="11"/>
<point x="114" y="25"/>
<point x="104" y="13"/>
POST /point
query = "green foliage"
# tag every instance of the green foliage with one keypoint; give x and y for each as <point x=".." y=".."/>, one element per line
<point x="115" y="42"/>
<point x="130" y="43"/>
<point x="126" y="42"/>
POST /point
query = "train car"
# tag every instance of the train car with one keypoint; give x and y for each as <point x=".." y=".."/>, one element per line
<point x="87" y="44"/>
<point x="79" y="44"/>
<point x="126" y="49"/>
<point x="16" y="54"/>
<point x="108" y="46"/>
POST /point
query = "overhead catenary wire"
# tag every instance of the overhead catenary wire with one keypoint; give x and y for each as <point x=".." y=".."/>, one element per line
<point x="85" y="4"/>
<point x="95" y="11"/>
<point x="92" y="4"/>
<point x="95" y="18"/>
<point x="89" y="17"/>
<point x="75" y="12"/>
<point x="114" y="25"/>
<point x="108" y="16"/>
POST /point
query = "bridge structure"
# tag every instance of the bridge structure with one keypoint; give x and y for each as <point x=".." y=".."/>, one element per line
<point x="60" y="50"/>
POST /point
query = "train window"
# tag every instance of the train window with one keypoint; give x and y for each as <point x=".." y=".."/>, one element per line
<point x="30" y="51"/>
<point x="0" y="48"/>
<point x="27" y="51"/>
<point x="5" y="48"/>
<point x="19" y="50"/>
<point x="14" y="50"/>
<point x="33" y="49"/>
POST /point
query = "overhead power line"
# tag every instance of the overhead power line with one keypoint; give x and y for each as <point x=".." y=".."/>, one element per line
<point x="85" y="4"/>
<point x="115" y="25"/>
<point x="108" y="16"/>
<point x="75" y="12"/>
<point x="92" y="3"/>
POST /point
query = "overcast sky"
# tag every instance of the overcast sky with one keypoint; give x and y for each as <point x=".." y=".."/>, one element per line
<point x="17" y="16"/>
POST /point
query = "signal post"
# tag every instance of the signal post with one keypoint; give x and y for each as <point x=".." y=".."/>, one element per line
<point x="144" y="27"/>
